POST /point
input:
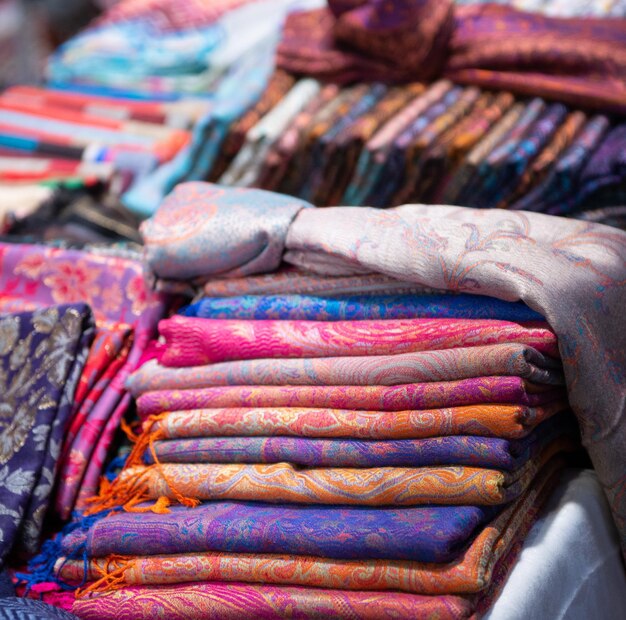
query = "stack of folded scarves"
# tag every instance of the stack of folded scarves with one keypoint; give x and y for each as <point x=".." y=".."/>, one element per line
<point x="126" y="313"/>
<point x="354" y="457"/>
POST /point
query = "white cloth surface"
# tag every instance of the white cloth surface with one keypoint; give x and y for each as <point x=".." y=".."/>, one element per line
<point x="570" y="566"/>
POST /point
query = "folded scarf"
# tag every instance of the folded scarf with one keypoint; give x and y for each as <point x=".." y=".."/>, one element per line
<point x="470" y="572"/>
<point x="284" y="483"/>
<point x="297" y="282"/>
<point x="455" y="450"/>
<point x="445" y="365"/>
<point x="310" y="308"/>
<point x="417" y="533"/>
<point x="480" y="390"/>
<point x="42" y="354"/>
<point x="489" y="45"/>
<point x="193" y="342"/>
<point x="502" y="421"/>
<point x="235" y="601"/>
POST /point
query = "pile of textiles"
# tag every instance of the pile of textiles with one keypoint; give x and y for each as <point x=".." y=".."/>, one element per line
<point x="48" y="136"/>
<point x="141" y="126"/>
<point x="362" y="433"/>
<point x="125" y="311"/>
<point x="571" y="272"/>
<point x="395" y="461"/>
<point x="376" y="145"/>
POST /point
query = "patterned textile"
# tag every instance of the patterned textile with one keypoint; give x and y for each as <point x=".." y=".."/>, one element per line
<point x="485" y="45"/>
<point x="194" y="342"/>
<point x="306" y="452"/>
<point x="278" y="161"/>
<point x="515" y="360"/>
<point x="169" y="14"/>
<point x="285" y="483"/>
<point x="125" y="311"/>
<point x="470" y="572"/>
<point x="416" y="533"/>
<point x="42" y="354"/>
<point x="311" y="308"/>
<point x="504" y="421"/>
<point x="410" y="396"/>
<point x="298" y="282"/>
<point x="237" y="601"/>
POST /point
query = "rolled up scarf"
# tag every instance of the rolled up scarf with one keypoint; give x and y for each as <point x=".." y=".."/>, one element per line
<point x="453" y="450"/>
<point x="284" y="483"/>
<point x="470" y="572"/>
<point x="422" y="533"/>
<point x="309" y="308"/>
<point x="193" y="342"/>
<point x="412" y="396"/>
<point x="445" y="365"/>
<point x="503" y="421"/>
<point x="238" y="601"/>
<point x="486" y="45"/>
<point x="42" y="354"/>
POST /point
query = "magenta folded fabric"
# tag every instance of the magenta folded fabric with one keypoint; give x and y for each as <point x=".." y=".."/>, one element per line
<point x="194" y="342"/>
<point x="479" y="390"/>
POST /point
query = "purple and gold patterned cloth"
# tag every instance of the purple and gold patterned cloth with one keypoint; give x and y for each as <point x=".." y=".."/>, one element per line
<point x="42" y="354"/>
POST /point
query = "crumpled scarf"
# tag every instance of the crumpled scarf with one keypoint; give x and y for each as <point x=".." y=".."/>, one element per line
<point x="575" y="60"/>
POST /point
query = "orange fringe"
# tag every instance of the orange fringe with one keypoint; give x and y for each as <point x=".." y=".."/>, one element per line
<point x="111" y="576"/>
<point x="133" y="491"/>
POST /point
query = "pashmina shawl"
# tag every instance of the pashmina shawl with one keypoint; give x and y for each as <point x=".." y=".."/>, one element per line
<point x="416" y="533"/>
<point x="312" y="308"/>
<point x="503" y="421"/>
<point x="410" y="396"/>
<point x="238" y="601"/>
<point x="194" y="342"/>
<point x="42" y="354"/>
<point x="286" y="483"/>
<point x="516" y="360"/>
